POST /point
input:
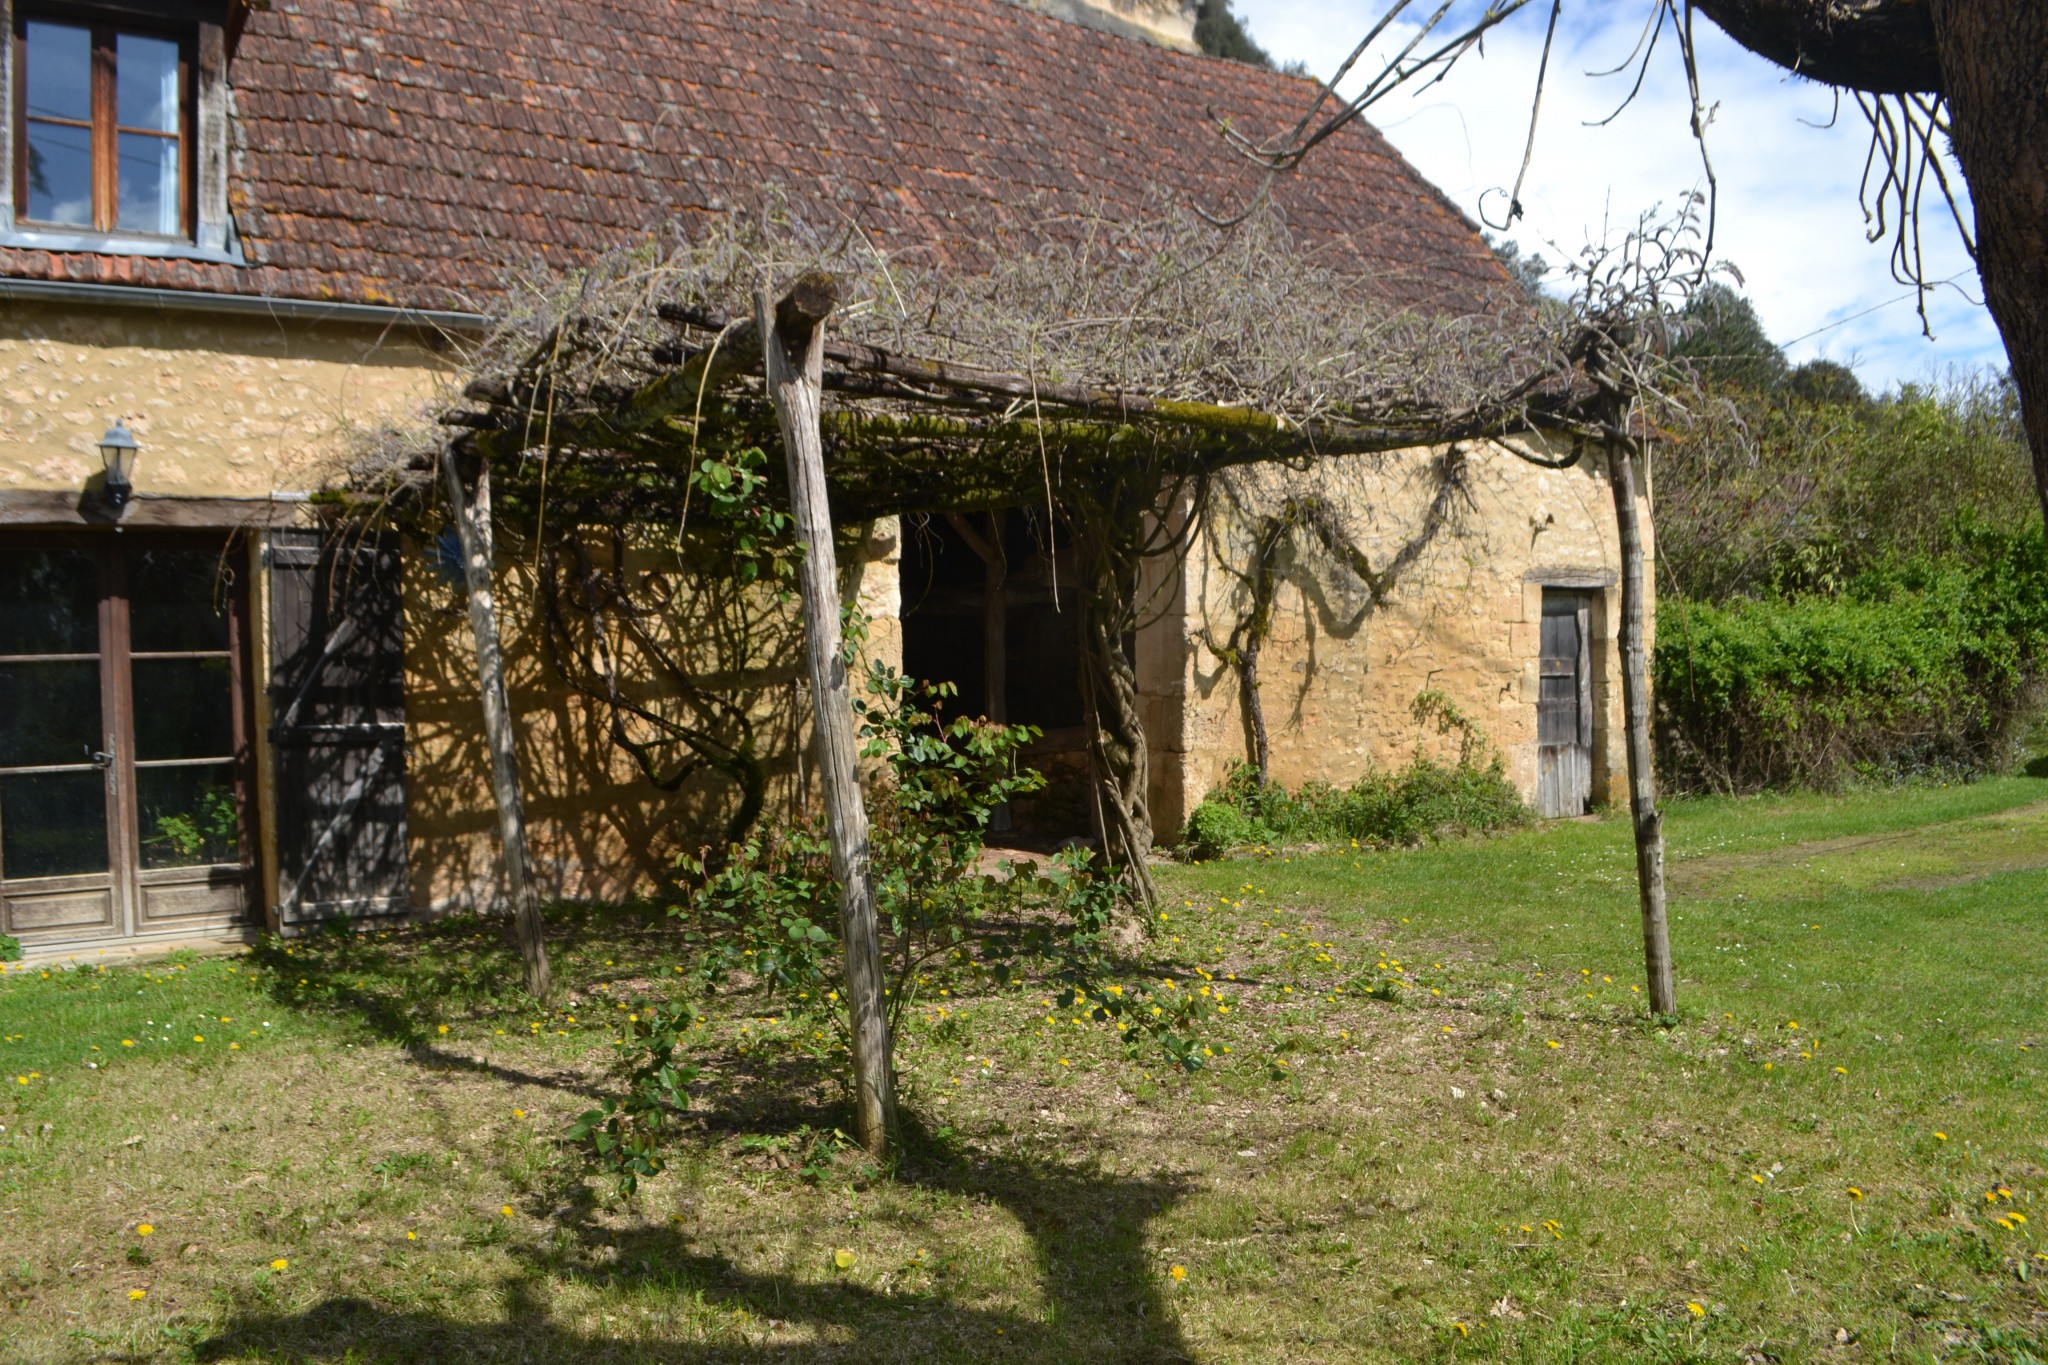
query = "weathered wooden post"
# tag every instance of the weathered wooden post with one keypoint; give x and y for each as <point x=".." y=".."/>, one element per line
<point x="793" y="347"/>
<point x="1635" y="705"/>
<point x="473" y="526"/>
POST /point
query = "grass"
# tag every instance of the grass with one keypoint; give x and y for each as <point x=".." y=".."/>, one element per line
<point x="1478" y="1150"/>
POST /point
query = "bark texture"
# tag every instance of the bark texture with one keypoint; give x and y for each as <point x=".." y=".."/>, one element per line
<point x="1994" y="61"/>
<point x="1883" y="46"/>
<point x="792" y="346"/>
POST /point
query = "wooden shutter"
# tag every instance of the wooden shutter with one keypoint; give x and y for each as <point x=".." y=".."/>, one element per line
<point x="337" y="693"/>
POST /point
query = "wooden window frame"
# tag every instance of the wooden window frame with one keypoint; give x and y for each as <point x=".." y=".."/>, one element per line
<point x="104" y="126"/>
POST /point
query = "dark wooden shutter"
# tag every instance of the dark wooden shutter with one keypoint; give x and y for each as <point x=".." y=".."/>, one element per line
<point x="1564" y="709"/>
<point x="337" y="694"/>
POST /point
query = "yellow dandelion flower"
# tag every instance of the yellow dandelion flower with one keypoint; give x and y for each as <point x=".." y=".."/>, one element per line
<point x="1462" y="1331"/>
<point x="1554" y="1043"/>
<point x="135" y="1294"/>
<point x="1941" y="1137"/>
<point x="127" y="1042"/>
<point x="518" y="1113"/>
<point x="843" y="1258"/>
<point x="506" y="1210"/>
<point x="144" y="1229"/>
<point x="1179" y="1273"/>
<point x="280" y="1264"/>
<point x="198" y="1037"/>
<point x="442" y="1029"/>
<point x="412" y="1236"/>
<point x="1855" y="1193"/>
<point x="1698" y="1310"/>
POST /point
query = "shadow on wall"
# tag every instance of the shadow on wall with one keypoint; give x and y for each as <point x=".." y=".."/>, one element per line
<point x="658" y="710"/>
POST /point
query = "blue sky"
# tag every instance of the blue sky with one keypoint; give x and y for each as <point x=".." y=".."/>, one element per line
<point x="1789" y="218"/>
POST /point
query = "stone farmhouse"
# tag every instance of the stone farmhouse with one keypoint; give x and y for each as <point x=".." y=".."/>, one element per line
<point x="233" y="236"/>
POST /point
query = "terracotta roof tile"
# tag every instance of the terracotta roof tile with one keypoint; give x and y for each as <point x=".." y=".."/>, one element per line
<point x="412" y="153"/>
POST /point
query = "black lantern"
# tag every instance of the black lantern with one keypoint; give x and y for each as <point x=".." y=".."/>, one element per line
<point x="117" y="450"/>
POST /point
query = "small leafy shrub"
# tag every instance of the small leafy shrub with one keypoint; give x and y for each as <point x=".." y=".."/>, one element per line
<point x="1217" y="826"/>
<point x="625" y="1133"/>
<point x="10" y="948"/>
<point x="1427" y="800"/>
<point x="1930" y="665"/>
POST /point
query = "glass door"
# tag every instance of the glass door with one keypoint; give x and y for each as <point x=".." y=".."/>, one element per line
<point x="122" y="739"/>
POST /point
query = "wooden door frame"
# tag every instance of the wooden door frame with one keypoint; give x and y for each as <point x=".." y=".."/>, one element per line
<point x="111" y="548"/>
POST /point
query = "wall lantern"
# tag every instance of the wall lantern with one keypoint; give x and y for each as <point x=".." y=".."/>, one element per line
<point x="117" y="451"/>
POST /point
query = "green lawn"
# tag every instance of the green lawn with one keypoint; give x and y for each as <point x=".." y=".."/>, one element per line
<point x="1478" y="1150"/>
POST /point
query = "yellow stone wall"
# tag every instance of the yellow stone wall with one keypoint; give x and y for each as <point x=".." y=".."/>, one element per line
<point x="1340" y="672"/>
<point x="223" y="406"/>
<point x="598" y="829"/>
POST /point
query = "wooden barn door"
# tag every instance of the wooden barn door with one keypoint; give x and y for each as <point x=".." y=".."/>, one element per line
<point x="1564" y="706"/>
<point x="337" y="692"/>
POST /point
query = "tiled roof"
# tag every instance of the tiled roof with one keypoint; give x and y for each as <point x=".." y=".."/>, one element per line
<point x="408" y="152"/>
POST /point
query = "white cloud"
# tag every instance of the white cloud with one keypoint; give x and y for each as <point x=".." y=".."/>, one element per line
<point x="1789" y="217"/>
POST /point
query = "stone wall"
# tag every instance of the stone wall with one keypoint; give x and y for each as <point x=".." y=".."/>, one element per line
<point x="223" y="406"/>
<point x="1341" y="670"/>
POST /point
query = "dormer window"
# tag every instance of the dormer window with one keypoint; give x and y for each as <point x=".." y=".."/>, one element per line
<point x="117" y="144"/>
<point x="103" y="128"/>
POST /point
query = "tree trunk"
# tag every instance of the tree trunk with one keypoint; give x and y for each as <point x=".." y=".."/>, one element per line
<point x="1635" y="700"/>
<point x="1116" y="732"/>
<point x="473" y="527"/>
<point x="793" y="346"/>
<point x="1992" y="54"/>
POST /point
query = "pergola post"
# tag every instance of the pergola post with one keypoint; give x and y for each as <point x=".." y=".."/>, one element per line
<point x="473" y="527"/>
<point x="793" y="348"/>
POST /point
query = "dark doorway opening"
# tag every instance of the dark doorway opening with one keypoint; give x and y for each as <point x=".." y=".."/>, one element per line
<point x="988" y="596"/>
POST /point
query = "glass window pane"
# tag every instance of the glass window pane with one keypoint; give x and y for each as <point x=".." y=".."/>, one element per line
<point x="53" y="825"/>
<point x="49" y="713"/>
<point x="182" y="709"/>
<point x="146" y="82"/>
<point x="59" y="174"/>
<point x="177" y="600"/>
<point x="150" y="188"/>
<point x="59" y="72"/>
<point x="49" y="602"/>
<point x="188" y="815"/>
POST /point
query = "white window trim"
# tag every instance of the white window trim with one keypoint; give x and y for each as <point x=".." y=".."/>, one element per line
<point x="214" y="237"/>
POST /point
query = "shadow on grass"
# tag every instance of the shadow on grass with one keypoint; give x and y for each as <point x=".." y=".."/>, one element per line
<point x="1103" y="1300"/>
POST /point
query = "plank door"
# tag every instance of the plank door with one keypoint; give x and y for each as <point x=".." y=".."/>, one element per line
<point x="124" y="739"/>
<point x="1564" y="706"/>
<point x="337" y="691"/>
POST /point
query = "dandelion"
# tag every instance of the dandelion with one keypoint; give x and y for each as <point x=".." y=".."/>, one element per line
<point x="1941" y="1137"/>
<point x="198" y="1037"/>
<point x="412" y="1236"/>
<point x="1855" y="1193"/>
<point x="1462" y="1331"/>
<point x="135" y="1294"/>
<point x="1698" y="1310"/>
<point x="280" y="1264"/>
<point x="144" y="1229"/>
<point x="1841" y="1071"/>
<point x="1179" y="1273"/>
<point x="1554" y="1043"/>
<point x="127" y="1042"/>
<point x="843" y="1258"/>
<point x="506" y="1210"/>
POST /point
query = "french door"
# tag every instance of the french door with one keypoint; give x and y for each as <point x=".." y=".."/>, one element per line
<point x="124" y="750"/>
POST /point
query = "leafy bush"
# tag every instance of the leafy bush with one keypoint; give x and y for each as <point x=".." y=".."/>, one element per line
<point x="1425" y="801"/>
<point x="1921" y="666"/>
<point x="10" y="948"/>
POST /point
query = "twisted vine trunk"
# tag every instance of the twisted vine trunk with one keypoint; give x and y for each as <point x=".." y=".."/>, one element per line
<point x="1116" y="749"/>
